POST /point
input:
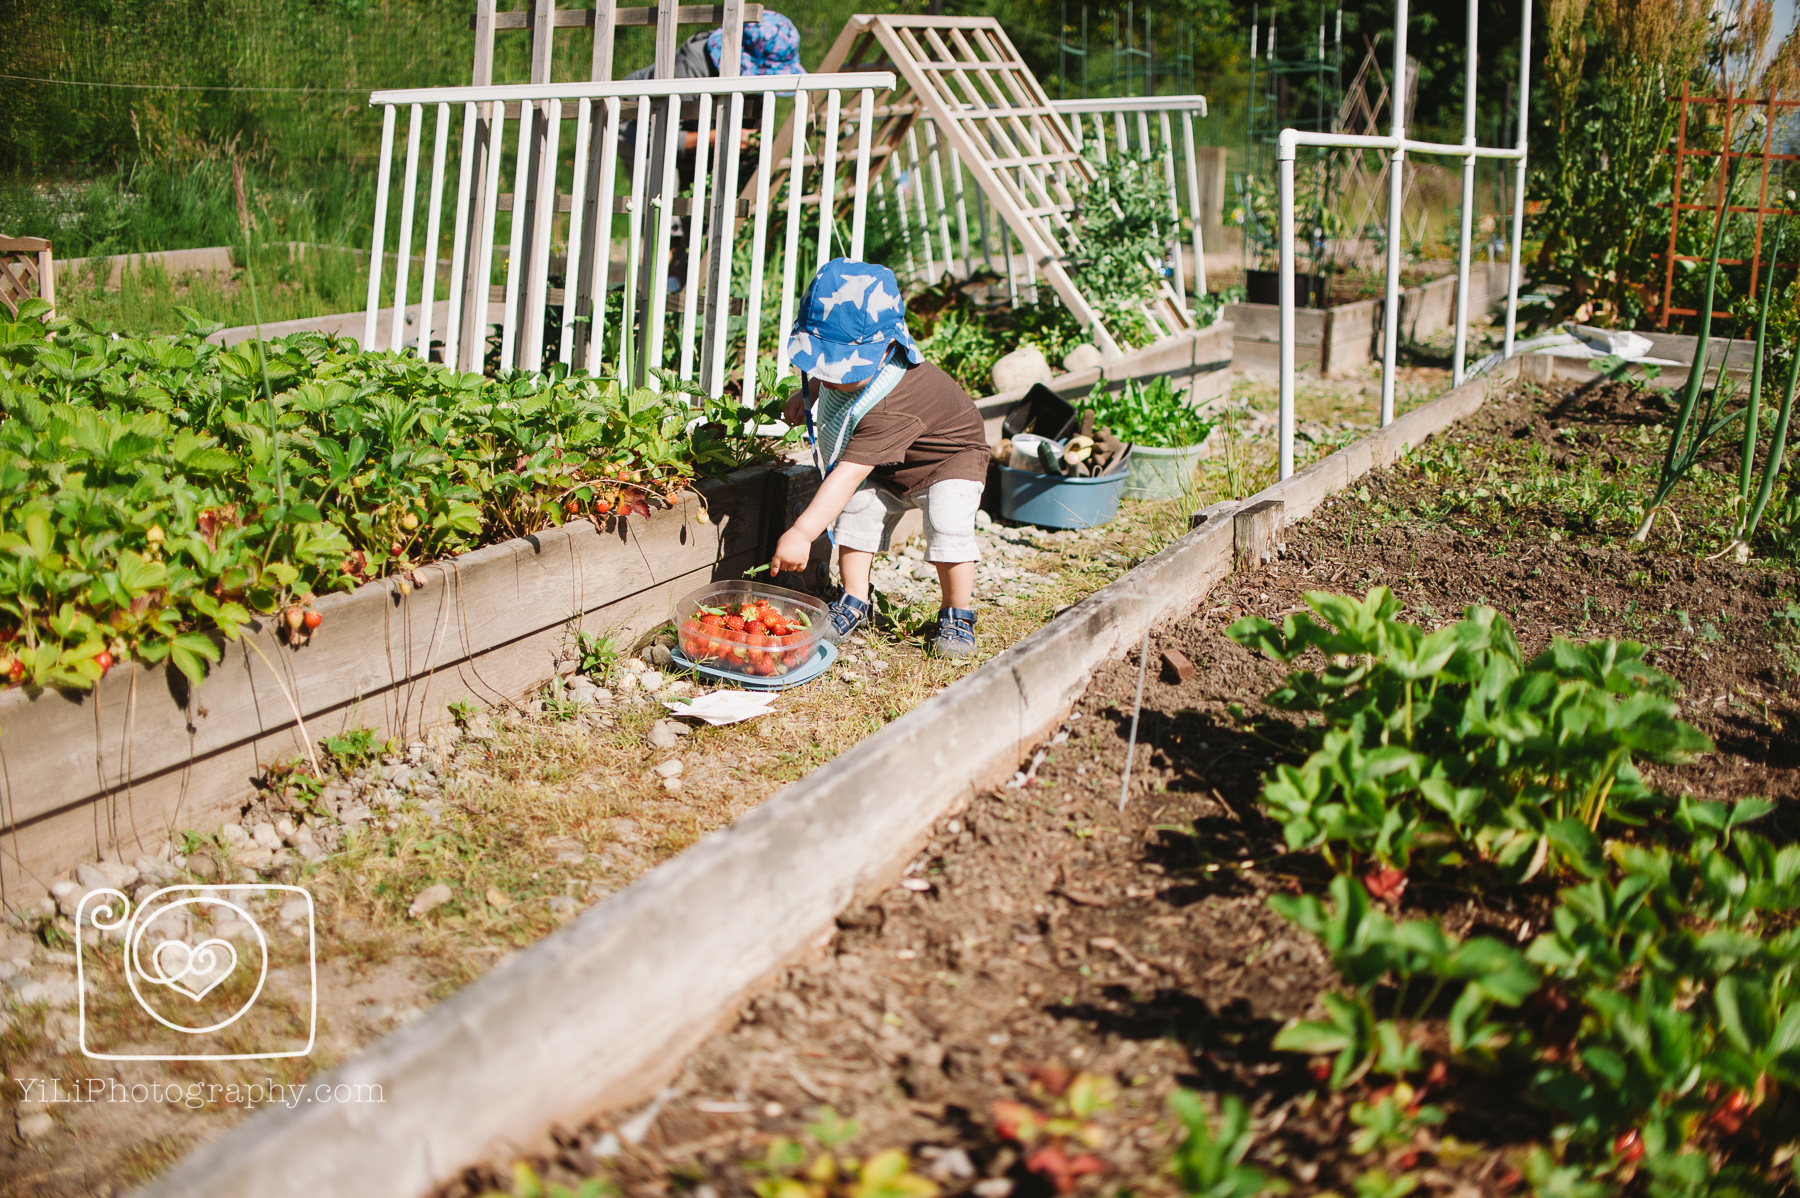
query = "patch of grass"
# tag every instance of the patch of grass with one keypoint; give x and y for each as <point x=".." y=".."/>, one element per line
<point x="291" y="285"/>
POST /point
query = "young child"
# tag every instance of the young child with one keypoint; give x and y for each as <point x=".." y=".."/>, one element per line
<point x="890" y="432"/>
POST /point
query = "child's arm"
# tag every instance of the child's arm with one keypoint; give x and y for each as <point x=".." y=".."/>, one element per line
<point x="795" y="546"/>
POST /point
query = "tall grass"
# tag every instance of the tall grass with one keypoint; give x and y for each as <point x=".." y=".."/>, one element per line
<point x="148" y="301"/>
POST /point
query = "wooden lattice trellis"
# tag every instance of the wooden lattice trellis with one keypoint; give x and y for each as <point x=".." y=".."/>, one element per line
<point x="963" y="76"/>
<point x="1763" y="156"/>
<point x="25" y="272"/>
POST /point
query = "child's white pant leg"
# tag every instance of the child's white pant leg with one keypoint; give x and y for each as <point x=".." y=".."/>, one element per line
<point x="869" y="519"/>
<point x="949" y="508"/>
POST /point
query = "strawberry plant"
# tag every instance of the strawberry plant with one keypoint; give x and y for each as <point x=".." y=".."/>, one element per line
<point x="154" y="502"/>
<point x="1663" y="1021"/>
<point x="1683" y="967"/>
<point x="1055" y="1130"/>
<point x="1209" y="1163"/>
<point x="788" y="1173"/>
<point x="1420" y="963"/>
<point x="1449" y="745"/>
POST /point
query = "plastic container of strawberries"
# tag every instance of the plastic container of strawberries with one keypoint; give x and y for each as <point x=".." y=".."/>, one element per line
<point x="714" y="630"/>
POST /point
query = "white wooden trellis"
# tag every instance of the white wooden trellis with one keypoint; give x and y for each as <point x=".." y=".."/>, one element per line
<point x="981" y="103"/>
<point x="542" y="201"/>
<point x="599" y="110"/>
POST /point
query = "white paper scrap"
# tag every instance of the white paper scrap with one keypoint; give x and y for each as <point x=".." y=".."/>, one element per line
<point x="724" y="706"/>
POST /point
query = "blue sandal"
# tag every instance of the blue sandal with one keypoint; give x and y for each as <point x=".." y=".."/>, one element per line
<point x="847" y="613"/>
<point x="955" y="635"/>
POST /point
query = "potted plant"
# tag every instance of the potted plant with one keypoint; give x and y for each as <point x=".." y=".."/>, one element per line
<point x="1166" y="433"/>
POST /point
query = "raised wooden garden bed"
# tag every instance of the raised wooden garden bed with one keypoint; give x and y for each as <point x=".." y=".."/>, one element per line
<point x="114" y="772"/>
<point x="602" y="1013"/>
<point x="1343" y="338"/>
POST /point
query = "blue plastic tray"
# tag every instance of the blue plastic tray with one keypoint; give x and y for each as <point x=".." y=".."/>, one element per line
<point x="820" y="662"/>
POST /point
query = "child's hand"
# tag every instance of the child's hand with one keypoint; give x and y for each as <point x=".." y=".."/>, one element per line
<point x="795" y="411"/>
<point x="792" y="552"/>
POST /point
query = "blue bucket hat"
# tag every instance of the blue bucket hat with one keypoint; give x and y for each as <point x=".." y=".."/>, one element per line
<point x="850" y="316"/>
<point x="771" y="47"/>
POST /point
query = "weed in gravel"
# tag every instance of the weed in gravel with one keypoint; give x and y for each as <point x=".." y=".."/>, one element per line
<point x="354" y="748"/>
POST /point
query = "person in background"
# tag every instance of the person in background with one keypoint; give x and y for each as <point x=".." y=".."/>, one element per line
<point x="771" y="46"/>
<point x="891" y="432"/>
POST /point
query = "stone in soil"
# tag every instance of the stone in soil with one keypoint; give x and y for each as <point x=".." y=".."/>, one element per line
<point x="429" y="900"/>
<point x="666" y="734"/>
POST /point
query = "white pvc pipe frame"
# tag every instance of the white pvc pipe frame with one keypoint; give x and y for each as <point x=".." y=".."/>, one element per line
<point x="611" y="97"/>
<point x="1398" y="144"/>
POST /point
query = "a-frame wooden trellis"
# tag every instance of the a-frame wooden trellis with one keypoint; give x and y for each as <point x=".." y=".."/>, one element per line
<point x="963" y="75"/>
<point x="540" y="21"/>
<point x="25" y="267"/>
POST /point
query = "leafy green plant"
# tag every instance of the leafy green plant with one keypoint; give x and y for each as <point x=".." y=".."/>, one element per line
<point x="1391" y="1119"/>
<point x="1209" y="1161"/>
<point x="962" y="345"/>
<point x="596" y="653"/>
<point x="156" y="494"/>
<point x="1685" y="965"/>
<point x="1420" y="961"/>
<point x="1122" y="222"/>
<point x="1448" y="742"/>
<point x="352" y="750"/>
<point x="1663" y="1022"/>
<point x="1152" y="414"/>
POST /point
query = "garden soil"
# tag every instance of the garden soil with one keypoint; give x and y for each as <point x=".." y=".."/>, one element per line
<point x="1045" y="932"/>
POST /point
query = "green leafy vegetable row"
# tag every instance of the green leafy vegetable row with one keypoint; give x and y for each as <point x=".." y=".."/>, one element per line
<point x="154" y="496"/>
<point x="1655" y="1018"/>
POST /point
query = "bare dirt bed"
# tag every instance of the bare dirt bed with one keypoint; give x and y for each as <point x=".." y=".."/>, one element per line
<point x="1044" y="932"/>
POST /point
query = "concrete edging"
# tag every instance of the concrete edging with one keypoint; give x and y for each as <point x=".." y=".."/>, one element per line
<point x="599" y="1014"/>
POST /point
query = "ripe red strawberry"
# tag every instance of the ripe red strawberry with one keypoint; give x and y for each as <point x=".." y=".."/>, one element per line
<point x="755" y="628"/>
<point x="713" y="620"/>
<point x="735" y="623"/>
<point x="748" y="611"/>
